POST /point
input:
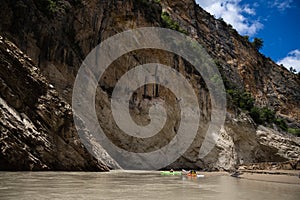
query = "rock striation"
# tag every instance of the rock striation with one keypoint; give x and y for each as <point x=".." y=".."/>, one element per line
<point x="37" y="129"/>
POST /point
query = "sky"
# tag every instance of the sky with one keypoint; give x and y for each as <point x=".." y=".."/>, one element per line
<point x="277" y="22"/>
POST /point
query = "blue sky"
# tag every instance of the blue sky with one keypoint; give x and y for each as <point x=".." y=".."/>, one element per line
<point x="277" y="22"/>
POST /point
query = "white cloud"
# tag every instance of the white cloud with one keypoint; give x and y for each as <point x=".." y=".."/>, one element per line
<point x="249" y="10"/>
<point x="291" y="60"/>
<point x="233" y="13"/>
<point x="281" y="4"/>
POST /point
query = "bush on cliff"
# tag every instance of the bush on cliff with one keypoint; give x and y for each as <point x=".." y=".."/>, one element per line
<point x="171" y="24"/>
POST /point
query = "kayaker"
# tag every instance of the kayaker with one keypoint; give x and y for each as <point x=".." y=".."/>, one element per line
<point x="192" y="173"/>
<point x="171" y="170"/>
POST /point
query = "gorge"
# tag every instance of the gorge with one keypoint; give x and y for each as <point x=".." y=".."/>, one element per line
<point x="43" y="44"/>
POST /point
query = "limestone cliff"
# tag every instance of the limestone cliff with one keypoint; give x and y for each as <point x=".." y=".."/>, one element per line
<point x="58" y="35"/>
<point x="37" y="129"/>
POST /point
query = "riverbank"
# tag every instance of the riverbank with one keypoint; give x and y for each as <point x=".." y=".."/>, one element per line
<point x="278" y="176"/>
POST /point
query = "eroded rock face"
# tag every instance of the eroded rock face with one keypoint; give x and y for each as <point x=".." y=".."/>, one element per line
<point x="240" y="142"/>
<point x="57" y="42"/>
<point x="288" y="165"/>
<point x="37" y="129"/>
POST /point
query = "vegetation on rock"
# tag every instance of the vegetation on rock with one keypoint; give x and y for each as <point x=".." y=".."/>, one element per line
<point x="260" y="115"/>
<point x="49" y="7"/>
<point x="59" y="44"/>
<point x="171" y="24"/>
<point x="258" y="43"/>
<point x="295" y="131"/>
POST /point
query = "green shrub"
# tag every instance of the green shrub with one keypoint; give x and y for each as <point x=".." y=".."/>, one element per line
<point x="292" y="70"/>
<point x="52" y="6"/>
<point x="262" y="115"/>
<point x="245" y="101"/>
<point x="255" y="115"/>
<point x="294" y="131"/>
<point x="281" y="124"/>
<point x="258" y="43"/>
<point x="49" y="7"/>
<point x="267" y="115"/>
<point x="171" y="24"/>
<point x="246" y="37"/>
<point x="241" y="99"/>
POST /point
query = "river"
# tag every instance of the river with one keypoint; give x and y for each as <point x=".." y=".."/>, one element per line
<point x="137" y="185"/>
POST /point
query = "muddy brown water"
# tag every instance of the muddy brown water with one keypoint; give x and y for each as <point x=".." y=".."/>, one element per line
<point x="137" y="185"/>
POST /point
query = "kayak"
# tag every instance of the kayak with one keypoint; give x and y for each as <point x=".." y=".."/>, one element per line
<point x="169" y="173"/>
<point x="195" y="175"/>
<point x="188" y="173"/>
<point x="192" y="175"/>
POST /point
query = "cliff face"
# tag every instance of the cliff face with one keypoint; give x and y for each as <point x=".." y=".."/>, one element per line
<point x="37" y="128"/>
<point x="242" y="65"/>
<point x="58" y="36"/>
